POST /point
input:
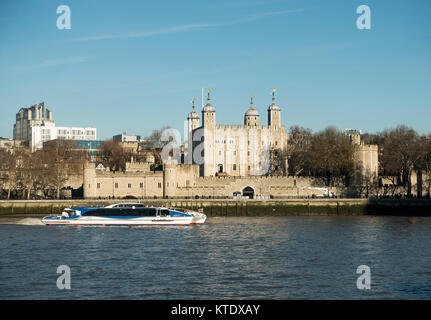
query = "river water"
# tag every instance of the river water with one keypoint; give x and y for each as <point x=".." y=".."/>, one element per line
<point x="226" y="258"/>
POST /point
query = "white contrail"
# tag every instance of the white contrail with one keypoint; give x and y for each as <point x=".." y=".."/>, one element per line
<point x="187" y="27"/>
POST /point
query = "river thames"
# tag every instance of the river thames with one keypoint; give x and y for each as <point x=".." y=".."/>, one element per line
<point x="298" y="257"/>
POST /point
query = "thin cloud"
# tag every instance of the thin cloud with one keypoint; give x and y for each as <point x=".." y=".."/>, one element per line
<point x="188" y="27"/>
<point x="52" y="63"/>
<point x="60" y="62"/>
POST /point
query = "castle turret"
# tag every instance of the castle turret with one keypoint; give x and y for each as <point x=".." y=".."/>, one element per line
<point x="89" y="178"/>
<point x="193" y="117"/>
<point x="209" y="126"/>
<point x="208" y="114"/>
<point x="274" y="116"/>
<point x="192" y="124"/>
<point x="251" y="117"/>
<point x="169" y="178"/>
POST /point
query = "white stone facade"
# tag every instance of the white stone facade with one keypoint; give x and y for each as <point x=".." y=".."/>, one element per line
<point x="234" y="150"/>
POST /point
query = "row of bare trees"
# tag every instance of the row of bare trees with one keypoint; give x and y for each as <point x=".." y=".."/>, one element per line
<point x="403" y="152"/>
<point x="326" y="155"/>
<point x="42" y="172"/>
<point x="329" y="155"/>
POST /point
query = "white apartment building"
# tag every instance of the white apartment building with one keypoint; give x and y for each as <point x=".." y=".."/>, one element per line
<point x="41" y="134"/>
<point x="36" y="125"/>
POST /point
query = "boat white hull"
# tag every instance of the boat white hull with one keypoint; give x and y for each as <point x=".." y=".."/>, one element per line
<point x="125" y="215"/>
<point x="103" y="221"/>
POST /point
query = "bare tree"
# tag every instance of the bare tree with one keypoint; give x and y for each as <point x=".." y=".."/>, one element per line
<point x="63" y="160"/>
<point x="114" y="155"/>
<point x="401" y="153"/>
<point x="423" y="166"/>
<point x="298" y="145"/>
<point x="28" y="167"/>
<point x="156" y="144"/>
<point x="330" y="157"/>
<point x="9" y="171"/>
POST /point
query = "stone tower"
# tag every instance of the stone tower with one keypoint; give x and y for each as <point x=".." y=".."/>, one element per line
<point x="192" y="124"/>
<point x="169" y="178"/>
<point x="193" y="117"/>
<point x="208" y="114"/>
<point x="209" y="130"/>
<point x="88" y="178"/>
<point x="274" y="117"/>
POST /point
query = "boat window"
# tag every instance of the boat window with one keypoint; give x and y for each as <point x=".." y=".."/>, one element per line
<point x="164" y="212"/>
<point x="115" y="212"/>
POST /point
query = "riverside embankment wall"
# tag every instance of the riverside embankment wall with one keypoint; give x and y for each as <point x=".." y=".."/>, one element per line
<point x="235" y="207"/>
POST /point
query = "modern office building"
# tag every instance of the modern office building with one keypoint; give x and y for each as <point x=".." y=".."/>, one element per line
<point x="36" y="125"/>
<point x="124" y="137"/>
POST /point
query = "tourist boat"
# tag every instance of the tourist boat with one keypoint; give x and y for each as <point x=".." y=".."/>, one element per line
<point x="125" y="214"/>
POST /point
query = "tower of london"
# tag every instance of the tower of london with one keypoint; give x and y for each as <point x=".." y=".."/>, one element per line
<point x="234" y="150"/>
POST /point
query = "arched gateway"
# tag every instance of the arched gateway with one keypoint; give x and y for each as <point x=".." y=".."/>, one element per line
<point x="248" y="192"/>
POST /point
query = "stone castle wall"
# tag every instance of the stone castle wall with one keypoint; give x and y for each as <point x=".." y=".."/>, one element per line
<point x="183" y="181"/>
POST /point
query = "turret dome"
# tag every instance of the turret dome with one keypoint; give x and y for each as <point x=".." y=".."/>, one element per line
<point x="208" y="107"/>
<point x="193" y="114"/>
<point x="252" y="111"/>
<point x="273" y="105"/>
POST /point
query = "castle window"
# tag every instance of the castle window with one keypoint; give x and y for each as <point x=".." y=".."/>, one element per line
<point x="98" y="185"/>
<point x="248" y="168"/>
<point x="234" y="167"/>
<point x="129" y="186"/>
<point x="248" y="153"/>
<point x="159" y="185"/>
<point x="116" y="185"/>
<point x="234" y="153"/>
<point x="141" y="185"/>
<point x="276" y="142"/>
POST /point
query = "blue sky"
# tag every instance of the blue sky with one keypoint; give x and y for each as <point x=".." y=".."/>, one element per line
<point x="135" y="65"/>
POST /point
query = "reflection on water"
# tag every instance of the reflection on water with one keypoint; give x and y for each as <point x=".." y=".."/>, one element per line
<point x="226" y="258"/>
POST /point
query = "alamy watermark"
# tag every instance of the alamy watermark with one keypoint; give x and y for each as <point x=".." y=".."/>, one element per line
<point x="64" y="280"/>
<point x="364" y="280"/>
<point x="64" y="20"/>
<point x="363" y="22"/>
